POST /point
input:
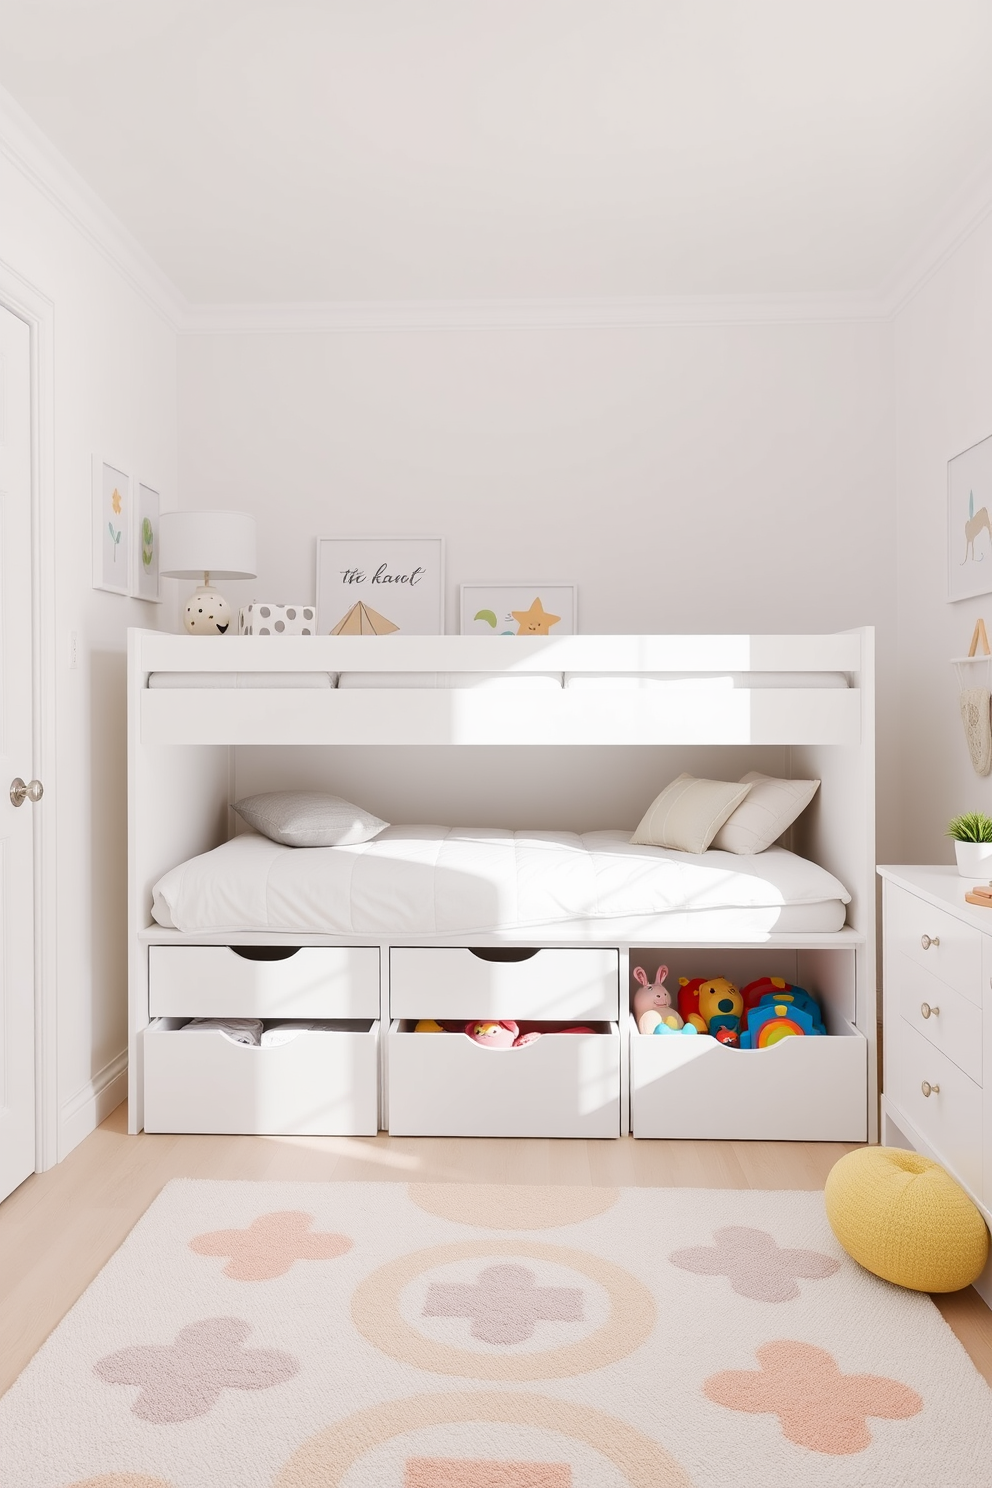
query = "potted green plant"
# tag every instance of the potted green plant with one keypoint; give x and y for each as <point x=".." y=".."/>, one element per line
<point x="972" y="837"/>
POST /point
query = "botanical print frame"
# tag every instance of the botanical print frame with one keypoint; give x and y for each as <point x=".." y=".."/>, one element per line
<point x="111" y="528"/>
<point x="518" y="609"/>
<point x="969" y="528"/>
<point x="378" y="585"/>
<point x="144" y="561"/>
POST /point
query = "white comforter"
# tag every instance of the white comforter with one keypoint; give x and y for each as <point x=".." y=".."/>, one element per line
<point x="439" y="881"/>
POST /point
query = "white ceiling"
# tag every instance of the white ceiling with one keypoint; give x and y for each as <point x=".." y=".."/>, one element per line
<point x="340" y="150"/>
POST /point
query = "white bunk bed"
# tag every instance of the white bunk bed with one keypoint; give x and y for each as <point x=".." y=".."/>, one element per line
<point x="660" y="704"/>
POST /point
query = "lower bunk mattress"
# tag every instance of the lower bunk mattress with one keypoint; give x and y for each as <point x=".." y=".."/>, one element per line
<point x="431" y="882"/>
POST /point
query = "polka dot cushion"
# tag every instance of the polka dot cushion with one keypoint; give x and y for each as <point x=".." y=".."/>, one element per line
<point x="901" y="1216"/>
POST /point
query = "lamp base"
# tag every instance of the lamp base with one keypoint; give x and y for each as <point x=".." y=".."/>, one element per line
<point x="207" y="613"/>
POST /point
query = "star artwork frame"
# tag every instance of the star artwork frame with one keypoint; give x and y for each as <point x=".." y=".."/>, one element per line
<point x="519" y="609"/>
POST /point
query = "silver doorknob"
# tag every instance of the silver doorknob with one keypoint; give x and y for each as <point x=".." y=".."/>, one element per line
<point x="928" y="1011"/>
<point x="926" y="942"/>
<point x="929" y="1089"/>
<point x="19" y="792"/>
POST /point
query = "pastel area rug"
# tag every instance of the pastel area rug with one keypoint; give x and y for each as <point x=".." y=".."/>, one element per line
<point x="269" y="1335"/>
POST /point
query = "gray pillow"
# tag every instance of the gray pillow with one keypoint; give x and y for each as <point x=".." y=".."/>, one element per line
<point x="308" y="819"/>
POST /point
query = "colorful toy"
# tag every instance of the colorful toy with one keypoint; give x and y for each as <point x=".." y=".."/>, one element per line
<point x="709" y="1003"/>
<point x="728" y="1036"/>
<point x="429" y="1025"/>
<point x="502" y="1035"/>
<point x="663" y="1026"/>
<point x="770" y="1022"/>
<point x="653" y="997"/>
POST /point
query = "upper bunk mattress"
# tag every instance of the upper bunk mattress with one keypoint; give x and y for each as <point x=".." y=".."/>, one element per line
<point x="434" y="882"/>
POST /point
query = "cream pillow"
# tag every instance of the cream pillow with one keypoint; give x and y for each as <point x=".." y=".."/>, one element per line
<point x="771" y="807"/>
<point x="688" y="813"/>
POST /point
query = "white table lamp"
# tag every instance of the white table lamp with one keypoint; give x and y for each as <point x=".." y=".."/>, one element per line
<point x="207" y="545"/>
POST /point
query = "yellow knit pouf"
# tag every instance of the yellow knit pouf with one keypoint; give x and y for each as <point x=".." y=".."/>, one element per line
<point x="901" y="1216"/>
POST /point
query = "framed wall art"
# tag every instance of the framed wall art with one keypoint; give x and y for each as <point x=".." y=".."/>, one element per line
<point x="969" y="529"/>
<point x="144" y="560"/>
<point x="518" y="609"/>
<point x="111" y="528"/>
<point x="378" y="585"/>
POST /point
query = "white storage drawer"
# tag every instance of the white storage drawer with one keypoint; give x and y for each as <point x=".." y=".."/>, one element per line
<point x="949" y="1119"/>
<point x="562" y="1085"/>
<point x="800" y="1089"/>
<point x="947" y="1020"/>
<point x="210" y="981"/>
<point x="550" y="984"/>
<point x="317" y="1084"/>
<point x="942" y="945"/>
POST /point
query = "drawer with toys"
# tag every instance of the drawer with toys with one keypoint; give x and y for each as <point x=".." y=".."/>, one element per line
<point x="745" y="1044"/>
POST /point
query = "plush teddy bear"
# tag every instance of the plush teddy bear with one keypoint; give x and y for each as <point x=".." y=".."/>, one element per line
<point x="710" y="1003"/>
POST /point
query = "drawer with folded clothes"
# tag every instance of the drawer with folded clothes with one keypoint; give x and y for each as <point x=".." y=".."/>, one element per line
<point x="503" y="1078"/>
<point x="244" y="1075"/>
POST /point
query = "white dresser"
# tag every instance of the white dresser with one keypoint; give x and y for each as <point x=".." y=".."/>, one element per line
<point x="937" y="1027"/>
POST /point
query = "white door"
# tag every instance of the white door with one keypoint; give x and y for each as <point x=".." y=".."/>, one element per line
<point x="17" y="1116"/>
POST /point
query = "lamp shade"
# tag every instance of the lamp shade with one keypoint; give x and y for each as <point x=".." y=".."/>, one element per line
<point x="221" y="543"/>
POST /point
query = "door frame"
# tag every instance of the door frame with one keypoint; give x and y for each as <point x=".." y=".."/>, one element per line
<point x="29" y="304"/>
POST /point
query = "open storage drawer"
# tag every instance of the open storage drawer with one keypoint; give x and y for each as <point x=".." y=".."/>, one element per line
<point x="800" y="1089"/>
<point x="248" y="981"/>
<point x="562" y="1085"/>
<point x="320" y="1083"/>
<point x="551" y="983"/>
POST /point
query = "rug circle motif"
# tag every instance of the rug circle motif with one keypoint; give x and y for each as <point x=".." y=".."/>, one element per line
<point x="376" y="1314"/>
<point x="512" y="1206"/>
<point x="323" y="1461"/>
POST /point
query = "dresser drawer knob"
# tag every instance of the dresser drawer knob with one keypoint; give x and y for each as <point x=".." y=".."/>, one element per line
<point x="929" y="1089"/>
<point x="926" y="941"/>
<point x="928" y="1011"/>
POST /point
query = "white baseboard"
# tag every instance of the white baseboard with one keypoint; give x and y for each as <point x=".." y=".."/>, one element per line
<point x="91" y="1105"/>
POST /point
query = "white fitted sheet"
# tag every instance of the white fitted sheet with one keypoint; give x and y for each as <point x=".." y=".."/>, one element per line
<point x="701" y="681"/>
<point x="534" y="681"/>
<point x="426" y="881"/>
<point x="242" y="679"/>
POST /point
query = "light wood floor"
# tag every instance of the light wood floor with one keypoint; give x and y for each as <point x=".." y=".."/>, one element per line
<point x="59" y="1228"/>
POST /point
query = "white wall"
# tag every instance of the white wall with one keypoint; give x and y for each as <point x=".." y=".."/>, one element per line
<point x="115" y="395"/>
<point x="708" y="478"/>
<point x="943" y="394"/>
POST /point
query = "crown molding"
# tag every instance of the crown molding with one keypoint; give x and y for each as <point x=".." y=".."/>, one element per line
<point x="579" y="314"/>
<point x="962" y="214"/>
<point x="33" y="154"/>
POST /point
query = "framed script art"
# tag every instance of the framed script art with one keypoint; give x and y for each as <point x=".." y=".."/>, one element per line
<point x="969" y="530"/>
<point x="518" y="609"/>
<point x="378" y="585"/>
<point x="111" y="528"/>
<point x="144" y="563"/>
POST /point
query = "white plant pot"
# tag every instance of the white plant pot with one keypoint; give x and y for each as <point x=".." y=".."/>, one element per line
<point x="974" y="859"/>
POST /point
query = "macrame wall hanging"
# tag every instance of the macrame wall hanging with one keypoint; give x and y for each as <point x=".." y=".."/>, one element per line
<point x="975" y="682"/>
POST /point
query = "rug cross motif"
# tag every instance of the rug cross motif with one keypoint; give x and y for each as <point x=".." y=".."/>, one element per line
<point x="270" y="1245"/>
<point x="754" y="1263"/>
<point x="818" y="1406"/>
<point x="505" y="1304"/>
<point x="184" y="1379"/>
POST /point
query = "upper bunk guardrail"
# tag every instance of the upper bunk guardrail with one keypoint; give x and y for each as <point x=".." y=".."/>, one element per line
<point x="608" y="654"/>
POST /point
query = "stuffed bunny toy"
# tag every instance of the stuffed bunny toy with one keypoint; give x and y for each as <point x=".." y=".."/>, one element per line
<point x="652" y="1002"/>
